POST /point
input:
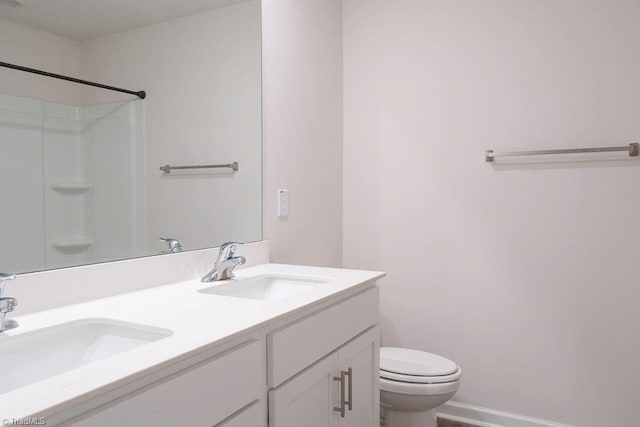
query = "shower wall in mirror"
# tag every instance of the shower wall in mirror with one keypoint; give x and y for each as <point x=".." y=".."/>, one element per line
<point x="56" y="173"/>
<point x="80" y="170"/>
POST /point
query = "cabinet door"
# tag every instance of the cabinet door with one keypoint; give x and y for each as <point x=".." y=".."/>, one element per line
<point x="308" y="399"/>
<point x="361" y="355"/>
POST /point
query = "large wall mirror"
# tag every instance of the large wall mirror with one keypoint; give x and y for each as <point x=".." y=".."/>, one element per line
<point x="80" y="167"/>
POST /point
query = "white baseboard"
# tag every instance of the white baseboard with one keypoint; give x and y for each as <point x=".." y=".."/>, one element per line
<point x="484" y="417"/>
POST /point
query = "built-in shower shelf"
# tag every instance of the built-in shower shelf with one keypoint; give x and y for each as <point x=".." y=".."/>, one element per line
<point x="72" y="243"/>
<point x="71" y="187"/>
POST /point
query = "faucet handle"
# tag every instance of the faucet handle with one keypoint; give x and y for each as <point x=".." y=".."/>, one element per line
<point x="7" y="304"/>
<point x="175" y="245"/>
<point x="4" y="278"/>
<point x="228" y="249"/>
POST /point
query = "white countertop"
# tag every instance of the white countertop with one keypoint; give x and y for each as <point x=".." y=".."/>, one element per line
<point x="198" y="321"/>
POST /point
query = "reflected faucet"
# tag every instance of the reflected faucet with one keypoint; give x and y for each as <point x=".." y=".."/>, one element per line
<point x="7" y="304"/>
<point x="175" y="245"/>
<point x="225" y="263"/>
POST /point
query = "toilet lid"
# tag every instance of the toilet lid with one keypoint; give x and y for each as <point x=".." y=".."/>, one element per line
<point x="404" y="361"/>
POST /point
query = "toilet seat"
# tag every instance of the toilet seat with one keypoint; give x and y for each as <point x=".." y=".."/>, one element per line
<point x="404" y="388"/>
<point x="418" y="367"/>
<point x="416" y="379"/>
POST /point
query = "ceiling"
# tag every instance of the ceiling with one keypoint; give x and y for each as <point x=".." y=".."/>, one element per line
<point x="87" y="19"/>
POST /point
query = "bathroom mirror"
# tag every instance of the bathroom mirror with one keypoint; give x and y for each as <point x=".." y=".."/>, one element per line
<point x="80" y="176"/>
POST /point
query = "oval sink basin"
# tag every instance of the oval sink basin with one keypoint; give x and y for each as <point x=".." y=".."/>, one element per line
<point x="35" y="356"/>
<point x="265" y="287"/>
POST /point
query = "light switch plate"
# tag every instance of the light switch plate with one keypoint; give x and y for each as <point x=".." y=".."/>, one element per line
<point x="283" y="202"/>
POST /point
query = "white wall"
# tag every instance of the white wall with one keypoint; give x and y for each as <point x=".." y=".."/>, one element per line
<point x="302" y="113"/>
<point x="32" y="48"/>
<point x="21" y="135"/>
<point x="202" y="77"/>
<point x="524" y="275"/>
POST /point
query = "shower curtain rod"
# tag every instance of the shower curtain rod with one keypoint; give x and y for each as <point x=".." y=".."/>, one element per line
<point x="140" y="94"/>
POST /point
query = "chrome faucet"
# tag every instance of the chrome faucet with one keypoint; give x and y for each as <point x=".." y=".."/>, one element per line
<point x="175" y="245"/>
<point x="7" y="304"/>
<point x="225" y="263"/>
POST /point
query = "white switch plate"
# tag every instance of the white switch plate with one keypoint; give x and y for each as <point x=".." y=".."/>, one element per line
<point x="283" y="202"/>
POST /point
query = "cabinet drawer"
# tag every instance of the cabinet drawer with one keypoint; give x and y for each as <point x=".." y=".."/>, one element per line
<point x="203" y="395"/>
<point x="294" y="347"/>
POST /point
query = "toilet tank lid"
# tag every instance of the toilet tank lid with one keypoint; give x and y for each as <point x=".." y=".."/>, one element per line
<point x="414" y="362"/>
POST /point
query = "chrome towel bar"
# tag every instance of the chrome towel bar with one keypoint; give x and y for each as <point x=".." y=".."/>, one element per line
<point x="169" y="168"/>
<point x="633" y="149"/>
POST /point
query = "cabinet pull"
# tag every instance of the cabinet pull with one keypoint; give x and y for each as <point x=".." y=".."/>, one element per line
<point x="349" y="374"/>
<point x="341" y="380"/>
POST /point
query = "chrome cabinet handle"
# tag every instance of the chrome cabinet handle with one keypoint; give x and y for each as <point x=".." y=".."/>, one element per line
<point x="341" y="408"/>
<point x="349" y="374"/>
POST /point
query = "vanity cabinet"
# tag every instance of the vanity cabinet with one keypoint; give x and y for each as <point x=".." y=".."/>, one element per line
<point x="324" y="361"/>
<point x="314" y="368"/>
<point x="341" y="390"/>
<point x="226" y="391"/>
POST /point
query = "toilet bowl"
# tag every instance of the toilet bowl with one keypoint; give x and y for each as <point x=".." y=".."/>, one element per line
<point x="412" y="384"/>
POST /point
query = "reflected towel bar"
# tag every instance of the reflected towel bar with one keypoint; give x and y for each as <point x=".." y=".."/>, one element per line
<point x="169" y="168"/>
<point x="633" y="149"/>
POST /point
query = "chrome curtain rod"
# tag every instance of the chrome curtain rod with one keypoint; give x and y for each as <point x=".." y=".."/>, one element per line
<point x="633" y="149"/>
<point x="169" y="168"/>
<point x="140" y="94"/>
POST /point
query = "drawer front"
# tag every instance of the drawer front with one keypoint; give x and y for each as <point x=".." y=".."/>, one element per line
<point x="294" y="347"/>
<point x="203" y="395"/>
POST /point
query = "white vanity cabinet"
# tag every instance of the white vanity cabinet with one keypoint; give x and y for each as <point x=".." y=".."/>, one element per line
<point x="227" y="390"/>
<point x="314" y="368"/>
<point x="341" y="389"/>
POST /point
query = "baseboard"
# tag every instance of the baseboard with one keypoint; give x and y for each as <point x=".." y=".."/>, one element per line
<point x="484" y="417"/>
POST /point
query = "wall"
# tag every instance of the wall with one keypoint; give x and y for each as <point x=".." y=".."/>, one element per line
<point x="523" y="274"/>
<point x="302" y="130"/>
<point x="21" y="134"/>
<point x="28" y="47"/>
<point x="203" y="107"/>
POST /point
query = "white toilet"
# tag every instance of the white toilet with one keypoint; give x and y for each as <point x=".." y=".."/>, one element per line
<point x="412" y="384"/>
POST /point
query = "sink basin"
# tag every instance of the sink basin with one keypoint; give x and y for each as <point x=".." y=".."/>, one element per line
<point x="265" y="287"/>
<point x="35" y="356"/>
